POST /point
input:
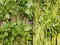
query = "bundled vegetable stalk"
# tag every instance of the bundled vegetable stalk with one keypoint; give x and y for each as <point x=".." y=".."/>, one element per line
<point x="46" y="22"/>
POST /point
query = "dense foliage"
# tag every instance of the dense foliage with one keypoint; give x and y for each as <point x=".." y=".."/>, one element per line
<point x="15" y="33"/>
<point x="15" y="7"/>
<point x="47" y="22"/>
<point x="15" y="27"/>
<point x="29" y="22"/>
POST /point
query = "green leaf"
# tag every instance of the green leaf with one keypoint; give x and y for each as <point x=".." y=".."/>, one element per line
<point x="1" y="36"/>
<point x="0" y="43"/>
<point x="14" y="33"/>
<point x="28" y="28"/>
<point x="1" y="29"/>
<point x="5" y="34"/>
<point x="45" y="17"/>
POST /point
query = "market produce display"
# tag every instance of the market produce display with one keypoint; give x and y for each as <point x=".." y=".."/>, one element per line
<point x="15" y="22"/>
<point x="46" y="22"/>
<point x="29" y="22"/>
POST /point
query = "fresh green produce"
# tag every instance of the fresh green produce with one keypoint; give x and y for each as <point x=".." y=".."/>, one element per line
<point x="29" y="22"/>
<point x="15" y="33"/>
<point x="46" y="22"/>
<point x="15" y="27"/>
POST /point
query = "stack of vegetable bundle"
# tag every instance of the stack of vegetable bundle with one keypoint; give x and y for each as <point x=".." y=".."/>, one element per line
<point x="47" y="22"/>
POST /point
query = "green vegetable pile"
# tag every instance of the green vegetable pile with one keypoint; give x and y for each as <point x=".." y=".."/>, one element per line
<point x="15" y="33"/>
<point x="29" y="22"/>
<point x="15" y="24"/>
<point x="47" y="22"/>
